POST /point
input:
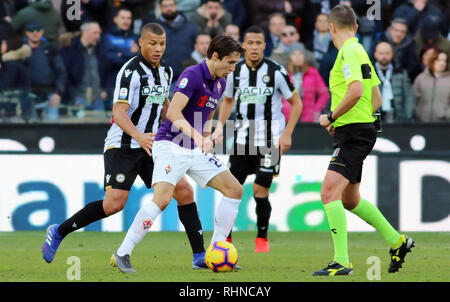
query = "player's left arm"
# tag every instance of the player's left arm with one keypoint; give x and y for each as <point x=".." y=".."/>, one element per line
<point x="376" y="98"/>
<point x="290" y="93"/>
<point x="353" y="74"/>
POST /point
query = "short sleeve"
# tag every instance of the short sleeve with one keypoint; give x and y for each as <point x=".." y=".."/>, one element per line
<point x="125" y="85"/>
<point x="351" y="66"/>
<point x="375" y="80"/>
<point x="187" y="83"/>
<point x="229" y="87"/>
<point x="284" y="83"/>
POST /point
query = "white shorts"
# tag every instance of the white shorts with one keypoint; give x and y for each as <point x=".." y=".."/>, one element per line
<point x="172" y="161"/>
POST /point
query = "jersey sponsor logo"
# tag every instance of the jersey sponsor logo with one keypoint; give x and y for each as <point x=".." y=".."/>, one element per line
<point x="146" y="223"/>
<point x="123" y="94"/>
<point x="254" y="95"/>
<point x="155" y="94"/>
<point x="209" y="102"/>
<point x="128" y="72"/>
<point x="202" y="101"/>
<point x="183" y="83"/>
<point x="108" y="176"/>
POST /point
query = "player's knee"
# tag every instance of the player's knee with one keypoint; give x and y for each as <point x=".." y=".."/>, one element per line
<point x="328" y="194"/>
<point x="184" y="195"/>
<point x="114" y="202"/>
<point x="236" y="191"/>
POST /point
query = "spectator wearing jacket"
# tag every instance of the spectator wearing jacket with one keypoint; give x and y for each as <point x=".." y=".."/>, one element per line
<point x="119" y="45"/>
<point x="432" y="90"/>
<point x="42" y="11"/>
<point x="395" y="87"/>
<point x="309" y="85"/>
<point x="84" y="64"/>
<point x="47" y="71"/>
<point x="211" y="18"/>
<point x="179" y="31"/>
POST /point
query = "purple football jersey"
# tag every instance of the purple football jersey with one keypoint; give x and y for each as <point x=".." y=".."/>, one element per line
<point x="204" y="93"/>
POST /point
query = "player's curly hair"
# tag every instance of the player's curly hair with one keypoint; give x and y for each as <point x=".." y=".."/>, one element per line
<point x="224" y="46"/>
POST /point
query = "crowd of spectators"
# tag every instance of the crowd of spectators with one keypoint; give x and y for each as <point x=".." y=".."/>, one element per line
<point x="60" y="58"/>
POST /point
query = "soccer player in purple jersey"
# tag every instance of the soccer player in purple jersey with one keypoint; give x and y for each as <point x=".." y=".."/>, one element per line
<point x="183" y="144"/>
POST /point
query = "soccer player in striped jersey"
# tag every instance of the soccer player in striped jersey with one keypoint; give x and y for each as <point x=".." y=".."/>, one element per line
<point x="140" y="97"/>
<point x="257" y="85"/>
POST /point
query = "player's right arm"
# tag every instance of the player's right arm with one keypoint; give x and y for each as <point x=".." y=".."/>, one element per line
<point x="121" y="118"/>
<point x="175" y="115"/>
<point x="376" y="98"/>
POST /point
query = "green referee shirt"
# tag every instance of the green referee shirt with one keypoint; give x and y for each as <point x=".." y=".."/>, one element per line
<point x="353" y="64"/>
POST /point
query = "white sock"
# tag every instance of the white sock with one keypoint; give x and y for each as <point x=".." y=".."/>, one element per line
<point x="142" y="222"/>
<point x="225" y="217"/>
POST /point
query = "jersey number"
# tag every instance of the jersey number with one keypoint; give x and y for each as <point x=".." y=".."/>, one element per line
<point x="215" y="161"/>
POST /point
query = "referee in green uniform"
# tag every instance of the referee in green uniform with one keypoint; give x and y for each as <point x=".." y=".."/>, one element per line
<point x="355" y="97"/>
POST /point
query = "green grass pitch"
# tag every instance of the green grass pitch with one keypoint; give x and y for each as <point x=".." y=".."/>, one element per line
<point x="166" y="257"/>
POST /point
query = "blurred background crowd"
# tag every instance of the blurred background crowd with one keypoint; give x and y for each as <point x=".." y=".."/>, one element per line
<point x="59" y="58"/>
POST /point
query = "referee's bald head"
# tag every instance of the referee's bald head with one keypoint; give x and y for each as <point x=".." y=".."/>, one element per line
<point x="343" y="17"/>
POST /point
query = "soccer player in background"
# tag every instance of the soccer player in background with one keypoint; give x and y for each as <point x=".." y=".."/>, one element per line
<point x="183" y="144"/>
<point x="140" y="100"/>
<point x="258" y="85"/>
<point x="355" y="97"/>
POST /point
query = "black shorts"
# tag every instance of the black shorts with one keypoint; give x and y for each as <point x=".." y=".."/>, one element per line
<point x="123" y="165"/>
<point x="352" y="144"/>
<point x="265" y="166"/>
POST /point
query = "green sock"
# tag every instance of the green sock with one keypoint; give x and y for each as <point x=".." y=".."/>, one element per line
<point x="338" y="225"/>
<point x="370" y="214"/>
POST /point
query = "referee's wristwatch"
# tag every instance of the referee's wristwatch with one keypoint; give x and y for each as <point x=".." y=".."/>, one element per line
<point x="330" y="117"/>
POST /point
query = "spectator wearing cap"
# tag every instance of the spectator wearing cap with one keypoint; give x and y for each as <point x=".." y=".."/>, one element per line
<point x="309" y="85"/>
<point x="84" y="64"/>
<point x="415" y="13"/>
<point x="432" y="90"/>
<point x="42" y="11"/>
<point x="290" y="40"/>
<point x="211" y="18"/>
<point x="403" y="45"/>
<point x="119" y="45"/>
<point x="429" y="35"/>
<point x="47" y="71"/>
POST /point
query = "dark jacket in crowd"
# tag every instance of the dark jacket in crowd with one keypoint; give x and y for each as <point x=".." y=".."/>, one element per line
<point x="116" y="46"/>
<point x="415" y="19"/>
<point x="237" y="10"/>
<point x="14" y="75"/>
<point x="262" y="9"/>
<point x="404" y="53"/>
<point x="72" y="57"/>
<point x="46" y="69"/>
<point x="180" y="32"/>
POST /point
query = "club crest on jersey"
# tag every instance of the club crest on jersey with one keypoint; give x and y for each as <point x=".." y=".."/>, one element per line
<point x="147" y="223"/>
<point x="168" y="169"/>
<point x="266" y="79"/>
<point x="219" y="86"/>
<point x="120" y="178"/>
<point x="166" y="75"/>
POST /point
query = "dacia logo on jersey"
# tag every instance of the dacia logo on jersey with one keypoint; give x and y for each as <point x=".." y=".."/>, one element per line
<point x="156" y="94"/>
<point x="254" y="95"/>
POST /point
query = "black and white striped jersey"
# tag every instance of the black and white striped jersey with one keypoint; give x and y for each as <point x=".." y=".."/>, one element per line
<point x="145" y="89"/>
<point x="258" y="96"/>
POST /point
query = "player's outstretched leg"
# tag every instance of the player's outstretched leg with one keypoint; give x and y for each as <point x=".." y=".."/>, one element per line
<point x="52" y="241"/>
<point x="55" y="233"/>
<point x="398" y="254"/>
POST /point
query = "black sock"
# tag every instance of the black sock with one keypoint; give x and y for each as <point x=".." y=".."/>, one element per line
<point x="92" y="212"/>
<point x="189" y="218"/>
<point x="263" y="210"/>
